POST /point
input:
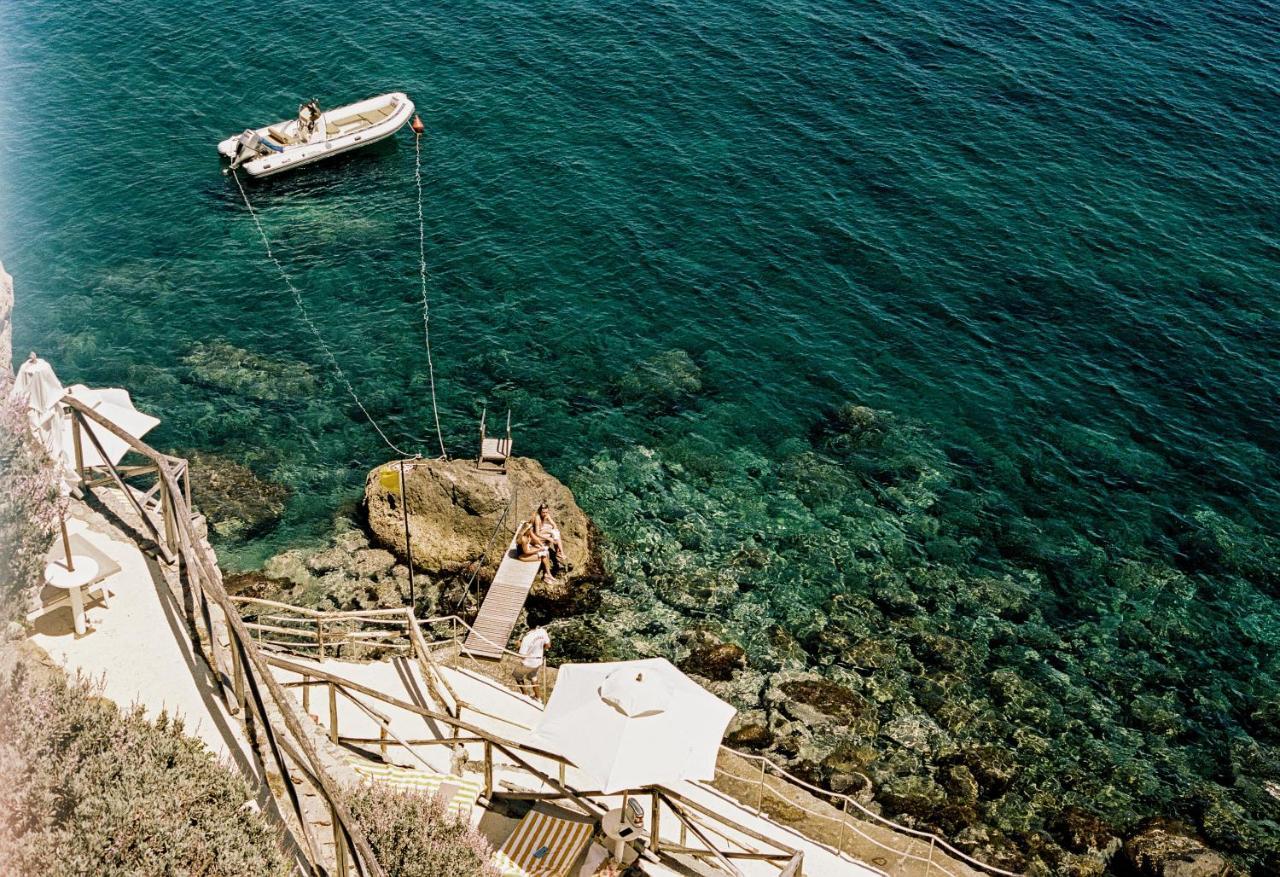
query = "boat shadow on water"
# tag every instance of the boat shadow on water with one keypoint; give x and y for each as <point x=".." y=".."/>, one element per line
<point x="373" y="167"/>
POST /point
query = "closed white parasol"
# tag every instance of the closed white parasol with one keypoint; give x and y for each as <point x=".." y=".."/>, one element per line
<point x="631" y="724"/>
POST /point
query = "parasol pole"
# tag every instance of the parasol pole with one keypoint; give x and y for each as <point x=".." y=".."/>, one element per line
<point x="66" y="540"/>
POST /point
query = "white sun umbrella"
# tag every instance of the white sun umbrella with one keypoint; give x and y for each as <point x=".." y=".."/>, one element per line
<point x="630" y="724"/>
<point x="39" y="385"/>
<point x="115" y="405"/>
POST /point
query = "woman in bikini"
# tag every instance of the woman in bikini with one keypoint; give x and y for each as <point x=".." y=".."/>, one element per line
<point x="530" y="546"/>
<point x="546" y="530"/>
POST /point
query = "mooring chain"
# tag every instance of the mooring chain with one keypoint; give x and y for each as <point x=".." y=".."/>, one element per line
<point x="422" y="275"/>
<point x="306" y="318"/>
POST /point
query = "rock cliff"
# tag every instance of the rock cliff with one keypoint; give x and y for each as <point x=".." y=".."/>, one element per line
<point x="6" y="321"/>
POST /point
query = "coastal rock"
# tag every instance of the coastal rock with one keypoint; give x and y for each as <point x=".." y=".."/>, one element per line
<point x="915" y="796"/>
<point x="290" y="566"/>
<point x="748" y="729"/>
<point x="993" y="767"/>
<point x="327" y="561"/>
<point x="817" y="702"/>
<point x="711" y="657"/>
<point x="237" y="503"/>
<point x="455" y="508"/>
<point x="916" y="732"/>
<point x="1164" y="848"/>
<point x="1080" y="831"/>
<point x="6" y="320"/>
<point x="368" y="563"/>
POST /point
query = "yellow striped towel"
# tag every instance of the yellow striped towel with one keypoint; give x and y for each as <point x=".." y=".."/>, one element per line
<point x="543" y="845"/>
<point x="458" y="803"/>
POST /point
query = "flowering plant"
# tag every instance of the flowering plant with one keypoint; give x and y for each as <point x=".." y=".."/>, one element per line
<point x="29" y="506"/>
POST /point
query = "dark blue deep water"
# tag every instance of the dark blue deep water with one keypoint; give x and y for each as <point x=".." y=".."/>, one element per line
<point x="929" y="345"/>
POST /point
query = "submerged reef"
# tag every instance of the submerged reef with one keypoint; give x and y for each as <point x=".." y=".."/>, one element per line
<point x="1031" y="687"/>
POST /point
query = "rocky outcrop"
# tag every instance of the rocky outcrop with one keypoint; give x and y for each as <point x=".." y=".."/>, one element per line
<point x="1164" y="848"/>
<point x="236" y="502"/>
<point x="345" y="575"/>
<point x="455" y="509"/>
<point x="6" y="321"/>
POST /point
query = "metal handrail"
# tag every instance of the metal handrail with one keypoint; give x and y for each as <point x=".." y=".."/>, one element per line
<point x="847" y="800"/>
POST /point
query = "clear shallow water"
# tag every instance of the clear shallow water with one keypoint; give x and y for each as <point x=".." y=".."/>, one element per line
<point x="1042" y="237"/>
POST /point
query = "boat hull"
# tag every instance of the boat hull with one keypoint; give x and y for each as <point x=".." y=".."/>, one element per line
<point x="334" y="141"/>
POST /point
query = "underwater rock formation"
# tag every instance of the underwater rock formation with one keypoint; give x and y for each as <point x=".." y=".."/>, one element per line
<point x="1028" y="685"/>
<point x="661" y="382"/>
<point x="1163" y="848"/>
<point x="236" y="502"/>
<point x="232" y="369"/>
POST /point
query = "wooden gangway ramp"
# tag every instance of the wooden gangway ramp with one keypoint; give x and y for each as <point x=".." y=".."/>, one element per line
<point x="502" y="604"/>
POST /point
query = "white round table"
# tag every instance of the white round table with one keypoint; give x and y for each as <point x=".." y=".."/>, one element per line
<point x="84" y="570"/>
<point x="618" y="827"/>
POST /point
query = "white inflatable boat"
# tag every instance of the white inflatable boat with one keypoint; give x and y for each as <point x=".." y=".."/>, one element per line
<point x="315" y="135"/>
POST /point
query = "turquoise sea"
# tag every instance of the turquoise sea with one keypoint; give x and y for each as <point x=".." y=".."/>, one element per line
<point x="929" y="345"/>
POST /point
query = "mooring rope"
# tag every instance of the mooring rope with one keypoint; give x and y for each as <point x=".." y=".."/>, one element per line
<point x="422" y="275"/>
<point x="306" y="318"/>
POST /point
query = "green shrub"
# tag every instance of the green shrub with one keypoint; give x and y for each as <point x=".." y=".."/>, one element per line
<point x="29" y="506"/>
<point x="87" y="789"/>
<point x="413" y="836"/>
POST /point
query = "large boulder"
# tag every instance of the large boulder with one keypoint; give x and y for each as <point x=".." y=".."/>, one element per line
<point x="455" y="510"/>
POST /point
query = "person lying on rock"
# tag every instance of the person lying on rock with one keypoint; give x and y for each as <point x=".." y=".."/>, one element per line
<point x="547" y="530"/>
<point x="531" y="546"/>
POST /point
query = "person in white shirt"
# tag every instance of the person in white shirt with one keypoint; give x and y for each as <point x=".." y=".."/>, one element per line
<point x="532" y="656"/>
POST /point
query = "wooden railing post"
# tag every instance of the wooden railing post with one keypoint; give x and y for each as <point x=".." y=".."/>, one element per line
<point x="320" y="636"/>
<point x="488" y="769"/>
<point x="844" y="816"/>
<point x="333" y="712"/>
<point x="77" y="443"/>
<point x="382" y="741"/>
<point x="306" y="694"/>
<point x="166" y="516"/>
<point x="928" y="869"/>
<point x="760" y="791"/>
<point x="237" y="680"/>
<point x="339" y="846"/>
<point x="655" y="825"/>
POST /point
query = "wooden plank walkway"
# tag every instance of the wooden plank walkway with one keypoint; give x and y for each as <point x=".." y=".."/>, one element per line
<point x="502" y="604"/>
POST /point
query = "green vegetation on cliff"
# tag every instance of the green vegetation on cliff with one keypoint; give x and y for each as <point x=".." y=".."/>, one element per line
<point x="88" y="789"/>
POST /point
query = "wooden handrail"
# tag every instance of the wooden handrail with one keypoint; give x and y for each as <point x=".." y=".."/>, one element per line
<point x="204" y="575"/>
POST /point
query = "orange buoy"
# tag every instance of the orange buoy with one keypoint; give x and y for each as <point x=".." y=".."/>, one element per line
<point x="417" y="125"/>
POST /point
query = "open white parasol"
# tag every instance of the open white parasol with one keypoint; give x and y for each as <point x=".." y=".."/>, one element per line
<point x="37" y="383"/>
<point x="631" y="724"/>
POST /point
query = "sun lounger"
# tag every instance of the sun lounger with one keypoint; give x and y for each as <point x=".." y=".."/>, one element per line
<point x="459" y="794"/>
<point x="546" y="843"/>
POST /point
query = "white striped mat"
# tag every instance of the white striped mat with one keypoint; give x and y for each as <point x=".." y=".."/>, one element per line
<point x="459" y="802"/>
<point x="543" y="845"/>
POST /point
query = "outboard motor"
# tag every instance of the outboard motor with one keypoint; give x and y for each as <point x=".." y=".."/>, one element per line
<point x="249" y="146"/>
